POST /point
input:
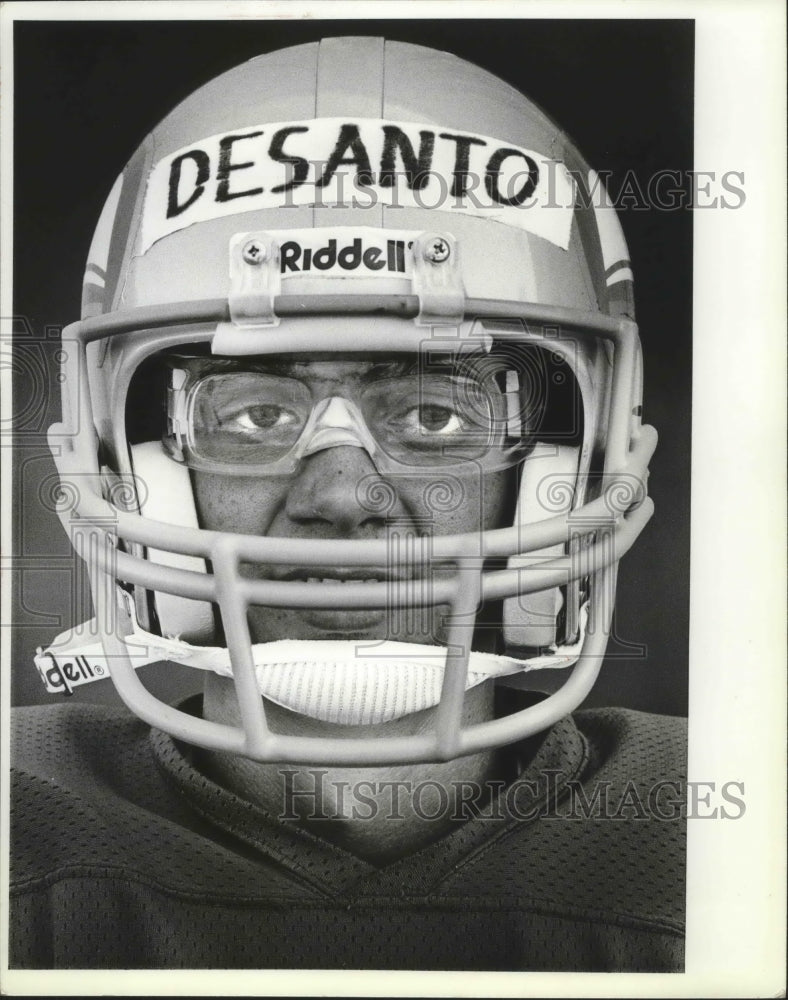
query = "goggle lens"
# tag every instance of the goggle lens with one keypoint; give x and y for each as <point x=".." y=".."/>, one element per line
<point x="256" y="420"/>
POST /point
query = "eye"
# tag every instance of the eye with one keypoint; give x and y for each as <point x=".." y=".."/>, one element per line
<point x="428" y="422"/>
<point x="436" y="419"/>
<point x="430" y="414"/>
<point x="263" y="417"/>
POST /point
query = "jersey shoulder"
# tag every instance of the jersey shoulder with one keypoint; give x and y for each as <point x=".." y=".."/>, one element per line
<point x="606" y="843"/>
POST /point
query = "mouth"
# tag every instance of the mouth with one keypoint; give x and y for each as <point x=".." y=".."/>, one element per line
<point x="340" y="623"/>
<point x="338" y="575"/>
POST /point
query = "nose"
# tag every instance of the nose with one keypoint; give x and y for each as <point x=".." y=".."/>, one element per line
<point x="337" y="492"/>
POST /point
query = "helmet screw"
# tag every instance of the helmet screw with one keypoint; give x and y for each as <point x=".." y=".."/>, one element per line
<point x="253" y="252"/>
<point x="437" y="250"/>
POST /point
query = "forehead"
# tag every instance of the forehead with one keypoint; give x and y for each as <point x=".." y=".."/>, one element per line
<point x="335" y="373"/>
<point x="336" y="370"/>
<point x="330" y="367"/>
<point x="326" y="369"/>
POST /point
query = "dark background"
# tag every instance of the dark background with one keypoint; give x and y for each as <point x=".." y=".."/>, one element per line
<point x="86" y="93"/>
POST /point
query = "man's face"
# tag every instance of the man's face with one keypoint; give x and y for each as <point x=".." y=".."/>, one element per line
<point x="337" y="493"/>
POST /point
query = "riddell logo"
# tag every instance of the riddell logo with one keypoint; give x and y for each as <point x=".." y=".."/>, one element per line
<point x="359" y="254"/>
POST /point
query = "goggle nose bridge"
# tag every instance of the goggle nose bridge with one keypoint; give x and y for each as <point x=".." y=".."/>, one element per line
<point x="333" y="423"/>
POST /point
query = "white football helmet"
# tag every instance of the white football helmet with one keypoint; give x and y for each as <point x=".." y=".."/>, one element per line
<point x="354" y="197"/>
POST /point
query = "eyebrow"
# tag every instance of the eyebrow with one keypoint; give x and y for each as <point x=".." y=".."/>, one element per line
<point x="298" y="369"/>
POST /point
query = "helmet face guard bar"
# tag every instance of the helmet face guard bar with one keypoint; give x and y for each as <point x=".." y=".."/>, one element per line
<point x="611" y="522"/>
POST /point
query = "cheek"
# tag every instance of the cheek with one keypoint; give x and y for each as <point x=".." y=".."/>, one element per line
<point x="453" y="505"/>
<point x="246" y="506"/>
<point x="499" y="499"/>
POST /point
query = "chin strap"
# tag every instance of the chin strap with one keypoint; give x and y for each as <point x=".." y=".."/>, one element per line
<point x="348" y="682"/>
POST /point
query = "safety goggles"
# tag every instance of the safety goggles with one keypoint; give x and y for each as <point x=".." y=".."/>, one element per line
<point x="242" y="418"/>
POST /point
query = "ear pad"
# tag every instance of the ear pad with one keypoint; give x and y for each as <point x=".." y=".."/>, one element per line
<point x="547" y="488"/>
<point x="169" y="498"/>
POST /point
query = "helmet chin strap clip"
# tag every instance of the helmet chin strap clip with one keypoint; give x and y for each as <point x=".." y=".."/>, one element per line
<point x="437" y="281"/>
<point x="255" y="281"/>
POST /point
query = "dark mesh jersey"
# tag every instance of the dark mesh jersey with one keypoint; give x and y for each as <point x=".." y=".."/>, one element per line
<point x="124" y="855"/>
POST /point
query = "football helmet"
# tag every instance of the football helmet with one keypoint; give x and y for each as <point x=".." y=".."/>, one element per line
<point x="354" y="197"/>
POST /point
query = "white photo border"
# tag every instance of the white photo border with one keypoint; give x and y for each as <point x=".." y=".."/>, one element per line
<point x="736" y="871"/>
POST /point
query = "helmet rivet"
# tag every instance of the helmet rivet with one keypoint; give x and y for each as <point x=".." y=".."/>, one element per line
<point x="253" y="252"/>
<point x="437" y="250"/>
